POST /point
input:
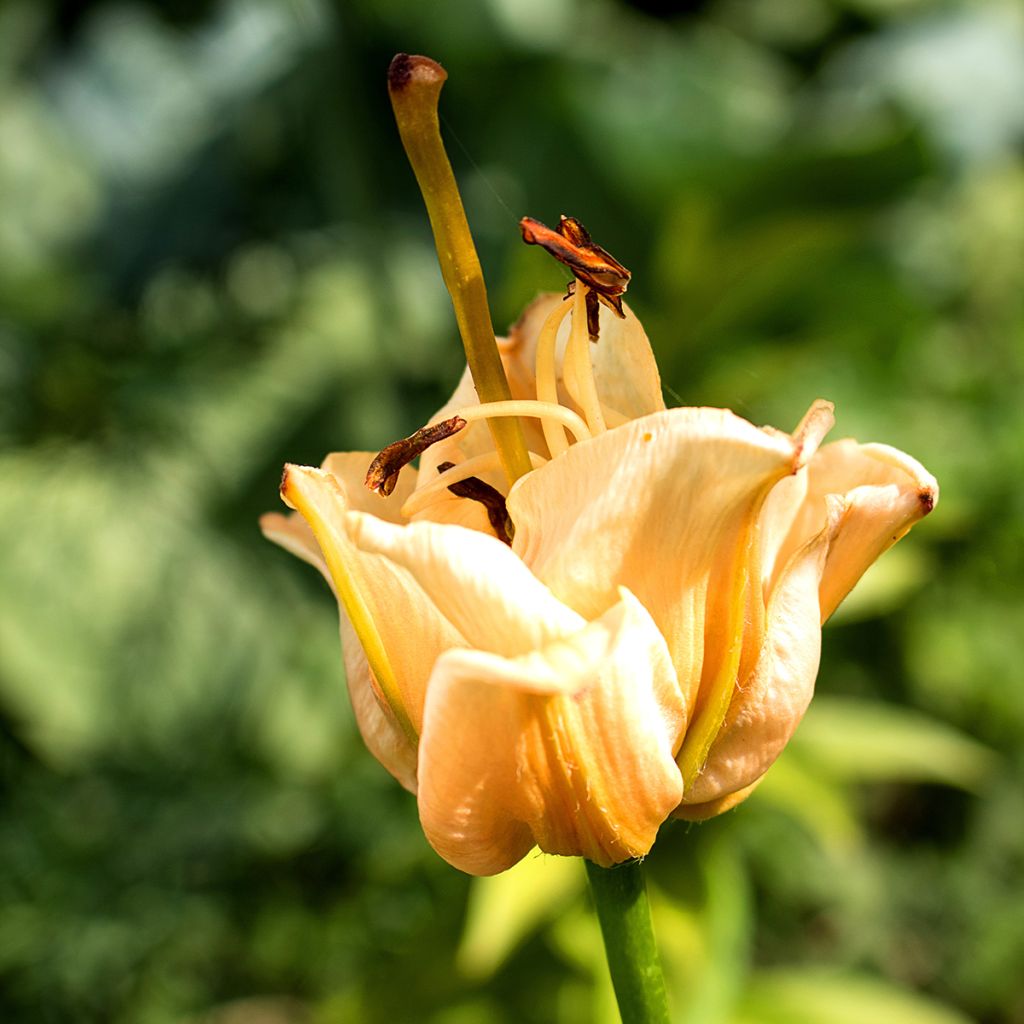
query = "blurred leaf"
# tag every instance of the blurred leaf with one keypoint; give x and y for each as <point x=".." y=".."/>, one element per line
<point x="504" y="909"/>
<point x="824" y="997"/>
<point x="869" y="741"/>
<point x="886" y="584"/>
<point x="816" y="802"/>
<point x="705" y="945"/>
<point x="577" y="935"/>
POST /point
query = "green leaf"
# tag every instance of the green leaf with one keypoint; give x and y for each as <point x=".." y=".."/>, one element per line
<point x="506" y="908"/>
<point x="705" y="948"/>
<point x="861" y="740"/>
<point x="816" y="996"/>
<point x="816" y="802"/>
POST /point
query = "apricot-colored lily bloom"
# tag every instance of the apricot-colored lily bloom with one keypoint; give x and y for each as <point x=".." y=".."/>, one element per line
<point x="648" y="642"/>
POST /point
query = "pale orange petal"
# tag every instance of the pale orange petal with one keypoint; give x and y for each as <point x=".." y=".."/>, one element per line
<point x="658" y="505"/>
<point x="702" y="812"/>
<point x="349" y="469"/>
<point x="383" y="736"/>
<point x="885" y="492"/>
<point x="381" y="733"/>
<point x="788" y="495"/>
<point x="380" y="598"/>
<point x="768" y="704"/>
<point x="474" y="580"/>
<point x="292" y="533"/>
<point x="625" y="372"/>
<point x="626" y="375"/>
<point x="568" y="747"/>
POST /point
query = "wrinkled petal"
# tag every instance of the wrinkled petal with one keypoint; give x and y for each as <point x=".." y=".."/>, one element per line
<point x="474" y="580"/>
<point x="569" y="747"/>
<point x="767" y="707"/>
<point x="787" y="496"/>
<point x="885" y="492"/>
<point x="380" y="598"/>
<point x="660" y="506"/>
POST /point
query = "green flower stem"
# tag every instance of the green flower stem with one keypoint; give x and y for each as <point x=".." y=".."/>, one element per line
<point x="620" y="895"/>
<point x="414" y="85"/>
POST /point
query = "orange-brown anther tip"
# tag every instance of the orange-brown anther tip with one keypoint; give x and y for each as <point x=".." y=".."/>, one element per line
<point x="404" y="68"/>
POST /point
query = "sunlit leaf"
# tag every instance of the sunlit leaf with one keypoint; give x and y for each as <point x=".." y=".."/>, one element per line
<point x="818" y="803"/>
<point x="818" y="996"/>
<point x="868" y="740"/>
<point x="504" y="909"/>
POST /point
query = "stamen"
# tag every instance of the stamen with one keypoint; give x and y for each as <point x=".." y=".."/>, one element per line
<point x="414" y="85"/>
<point x="537" y="410"/>
<point x="426" y="494"/>
<point x="591" y="265"/>
<point x="547" y="377"/>
<point x="382" y="476"/>
<point x="578" y="366"/>
<point x="493" y="500"/>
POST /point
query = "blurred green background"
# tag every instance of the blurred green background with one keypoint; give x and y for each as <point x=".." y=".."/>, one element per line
<point x="213" y="259"/>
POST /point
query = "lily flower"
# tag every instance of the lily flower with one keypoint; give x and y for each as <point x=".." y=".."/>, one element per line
<point x="649" y="640"/>
<point x="584" y="613"/>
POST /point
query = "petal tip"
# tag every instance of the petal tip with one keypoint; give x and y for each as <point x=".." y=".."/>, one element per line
<point x="287" y="484"/>
<point x="810" y="432"/>
<point x="927" y="498"/>
<point x="269" y="521"/>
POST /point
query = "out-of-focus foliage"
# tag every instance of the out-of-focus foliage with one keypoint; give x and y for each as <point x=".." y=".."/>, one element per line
<point x="213" y="259"/>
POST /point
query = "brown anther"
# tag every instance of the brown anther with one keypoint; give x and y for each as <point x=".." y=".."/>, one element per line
<point x="382" y="476"/>
<point x="604" y="276"/>
<point x="492" y="499"/>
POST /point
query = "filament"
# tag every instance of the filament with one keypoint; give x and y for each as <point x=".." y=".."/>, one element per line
<point x="430" y="492"/>
<point x="577" y="355"/>
<point x="547" y="381"/>
<point x="537" y="410"/>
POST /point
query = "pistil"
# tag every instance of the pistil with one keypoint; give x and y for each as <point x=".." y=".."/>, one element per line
<point x="414" y="85"/>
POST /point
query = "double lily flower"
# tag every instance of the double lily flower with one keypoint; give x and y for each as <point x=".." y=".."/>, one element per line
<point x="631" y="630"/>
<point x="648" y="642"/>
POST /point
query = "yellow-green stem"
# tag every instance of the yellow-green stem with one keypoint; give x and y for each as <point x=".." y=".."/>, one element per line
<point x="620" y="897"/>
<point x="414" y="84"/>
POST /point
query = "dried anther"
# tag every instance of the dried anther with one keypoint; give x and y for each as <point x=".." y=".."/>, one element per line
<point x="382" y="476"/>
<point x="604" y="276"/>
<point x="493" y="500"/>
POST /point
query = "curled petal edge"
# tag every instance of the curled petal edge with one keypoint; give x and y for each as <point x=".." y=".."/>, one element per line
<point x="569" y="747"/>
